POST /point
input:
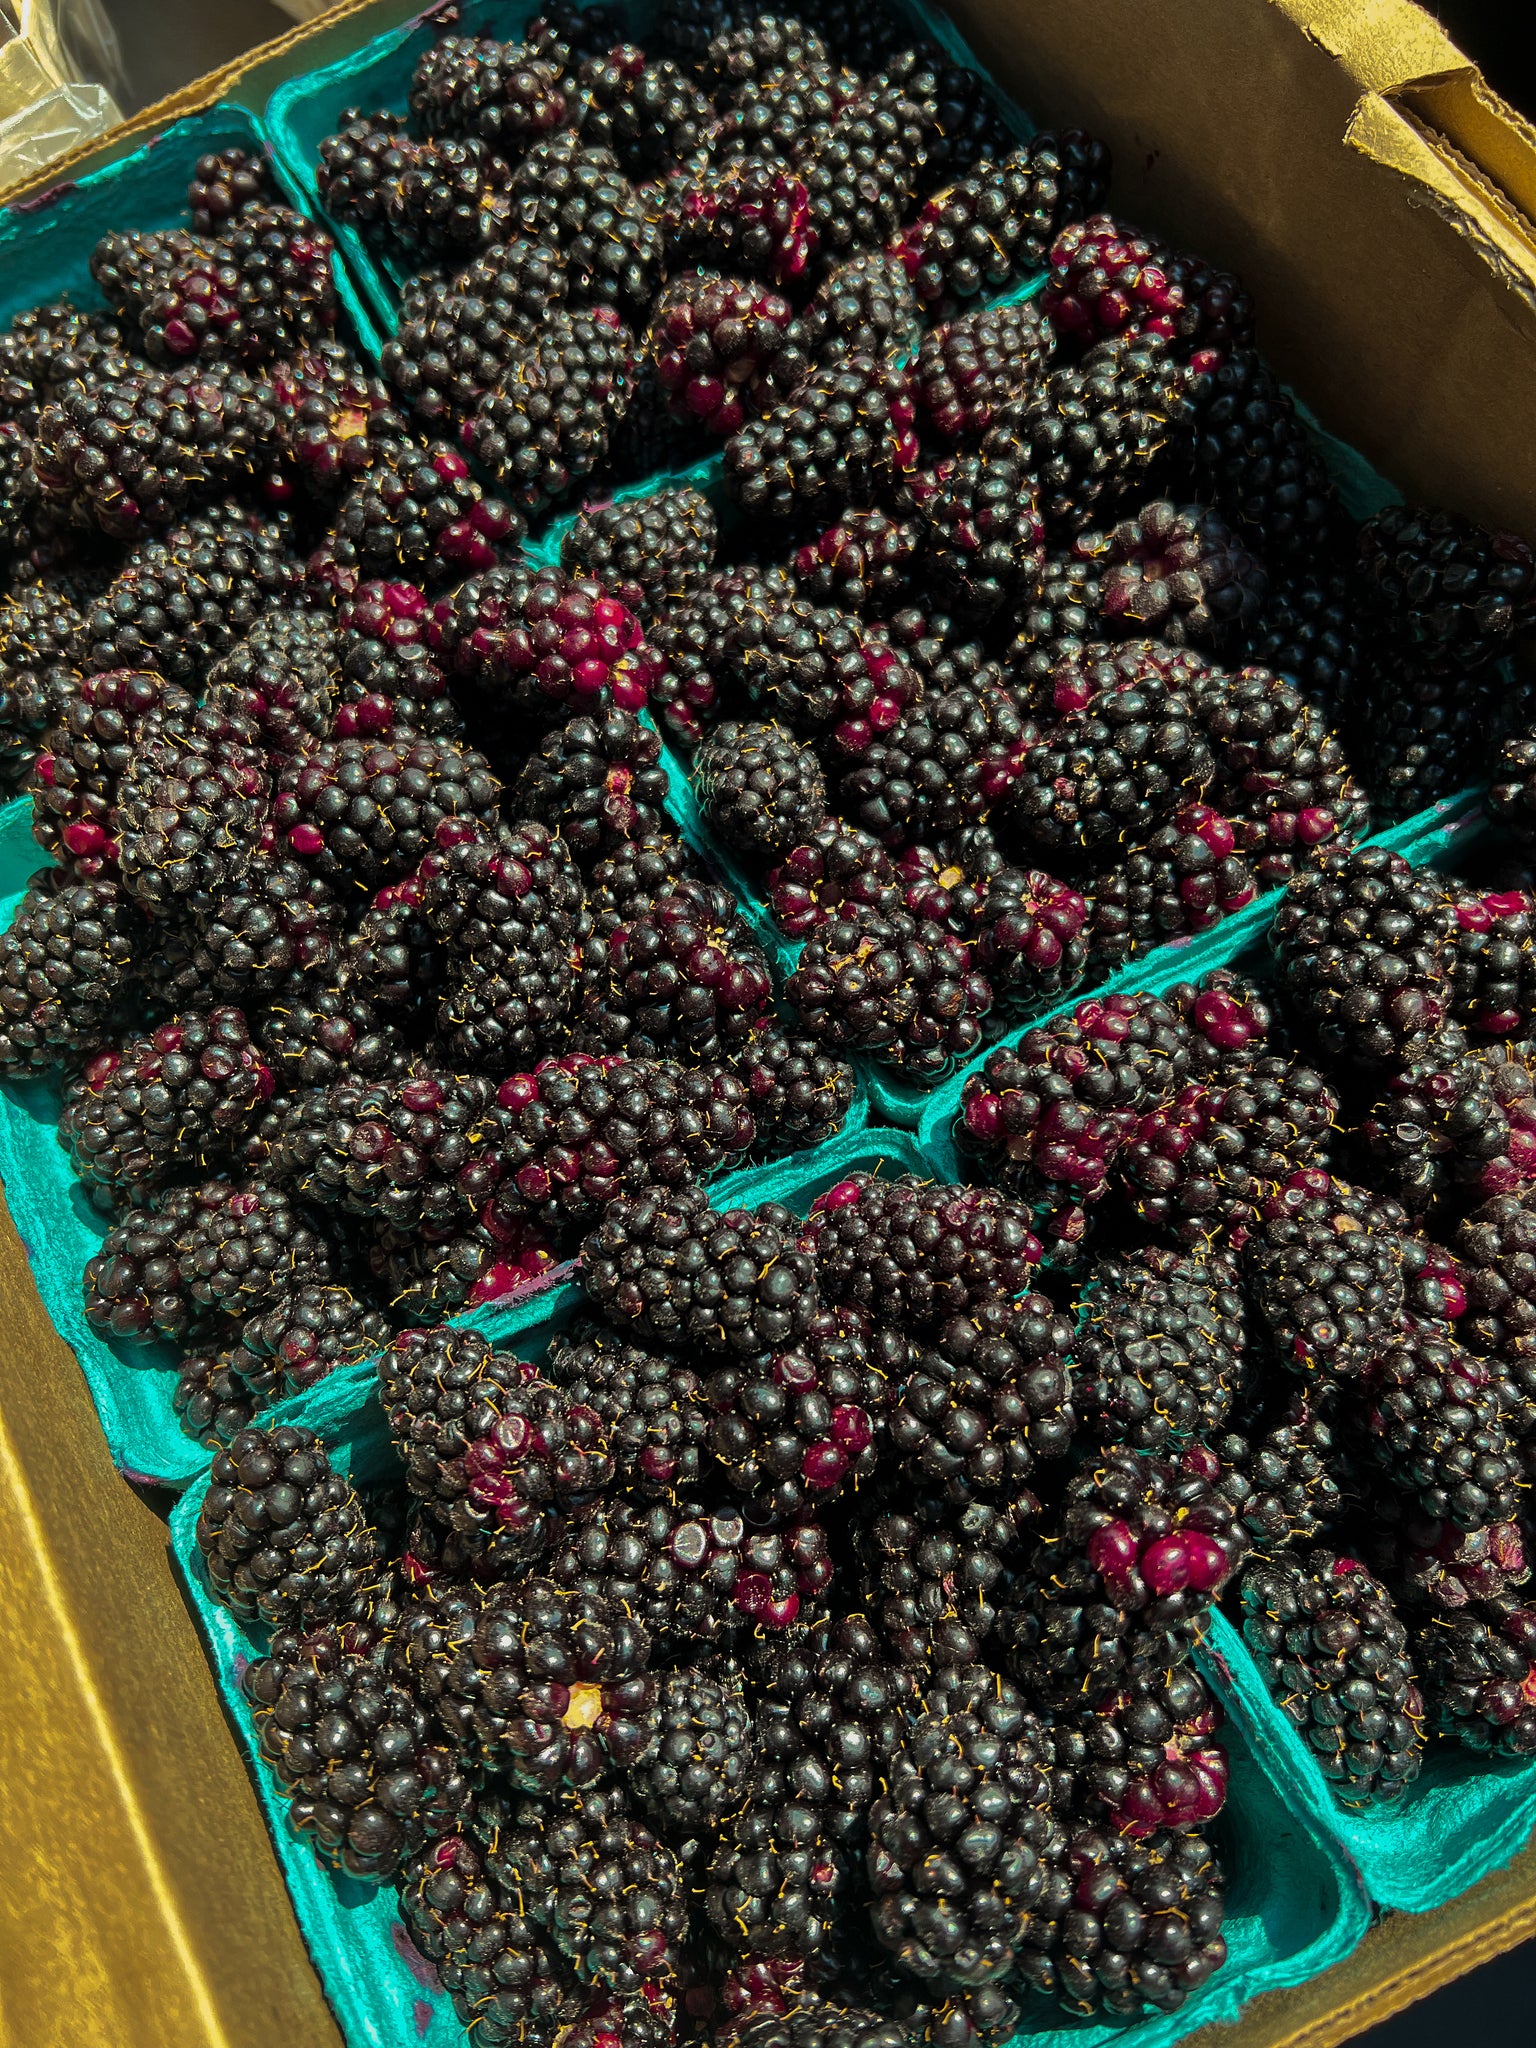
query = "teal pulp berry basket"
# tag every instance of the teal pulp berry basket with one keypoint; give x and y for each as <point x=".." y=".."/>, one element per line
<point x="1293" y="1903"/>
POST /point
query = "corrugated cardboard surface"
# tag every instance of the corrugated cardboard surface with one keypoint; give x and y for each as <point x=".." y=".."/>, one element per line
<point x="1378" y="199"/>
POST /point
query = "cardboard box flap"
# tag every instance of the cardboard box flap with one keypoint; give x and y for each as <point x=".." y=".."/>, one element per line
<point x="1471" y="161"/>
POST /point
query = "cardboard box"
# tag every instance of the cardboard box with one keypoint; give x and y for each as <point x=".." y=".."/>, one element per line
<point x="1378" y="200"/>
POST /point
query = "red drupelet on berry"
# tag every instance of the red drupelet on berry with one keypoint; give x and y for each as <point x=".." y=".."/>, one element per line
<point x="714" y="340"/>
<point x="551" y="644"/>
<point x="968" y="366"/>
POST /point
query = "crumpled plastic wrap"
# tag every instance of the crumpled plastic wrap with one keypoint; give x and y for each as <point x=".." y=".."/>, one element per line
<point x="61" y="77"/>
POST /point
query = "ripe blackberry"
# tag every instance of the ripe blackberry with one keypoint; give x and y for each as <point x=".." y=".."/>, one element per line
<point x="863" y="306"/>
<point x="1185" y="879"/>
<point x="313" y="1037"/>
<point x="751" y="214"/>
<point x="37" y="628"/>
<point x="473" y="85"/>
<point x="714" y="341"/>
<point x="1324" y="1271"/>
<point x="943" y="766"/>
<point x="679" y="974"/>
<point x="366" y="813"/>
<point x="574" y="197"/>
<point x="1142" y="1548"/>
<point x="1309" y="632"/>
<point x="282" y="1536"/>
<point x="838" y="869"/>
<point x="654" y="1422"/>
<point x="893" y="985"/>
<point x="862" y="564"/>
<point x="1421" y="735"/>
<point x="460" y="336"/>
<point x="1443" y="589"/>
<point x="1095" y="428"/>
<point x="1144" y="1756"/>
<point x="968" y="366"/>
<point x="384" y="656"/>
<point x="986" y="1400"/>
<point x="844" y="435"/>
<point x="281" y="676"/>
<point x="762" y="791"/>
<point x="649" y="113"/>
<point x="1436" y="1429"/>
<point x="182" y="601"/>
<point x="1126" y="1926"/>
<point x="796" y="1425"/>
<point x="955" y="1839"/>
<point x="818" y="670"/>
<point x="669" y="1266"/>
<point x="1495" y="1248"/>
<point x="983" y="538"/>
<point x="212" y="1401"/>
<point x="537" y="640"/>
<point x="179" y="1097"/>
<point x="1256" y="462"/>
<point x="1159" y="1349"/>
<point x="353" y="1753"/>
<point x="361" y="165"/>
<point x="1335" y="1656"/>
<point x="1478" y="1671"/>
<point x="932" y="1567"/>
<point x="579" y="1131"/>
<point x="1290" y="1493"/>
<point x="191" y="807"/>
<point x="451" y="198"/>
<point x="1202" y="1166"/>
<point x="914" y="1255"/>
<point x="651" y="552"/>
<point x="596" y="781"/>
<point x="860" y="167"/>
<point x="1177" y="571"/>
<point x="1279" y="767"/>
<point x="614" y="1900"/>
<point x="997" y="223"/>
<point x="506" y="1978"/>
<point x="1367" y="948"/>
<point x="415" y="1151"/>
<point x="1048" y="1117"/>
<point x="309" y="1331"/>
<point x="635" y="875"/>
<point x="702" y="1772"/>
<point x="798" y="1092"/>
<point x="66" y="961"/>
<point x="223" y="185"/>
<point x="18" y="485"/>
<point x="1113" y="770"/>
<point x="547" y="428"/>
<point x="418" y="511"/>
<point x="773" y="1879"/>
<point x="1454" y="1121"/>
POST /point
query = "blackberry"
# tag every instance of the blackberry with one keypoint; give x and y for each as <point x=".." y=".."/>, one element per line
<point x="313" y="1037"/>
<point x="641" y="871"/>
<point x="502" y="92"/>
<point x="1144" y="1757"/>
<point x="212" y="1401"/>
<point x="1290" y="1491"/>
<point x="680" y="974"/>
<point x="1159" y="1349"/>
<point x="495" y="1258"/>
<point x="967" y="367"/>
<point x="580" y="1131"/>
<point x="648" y="1403"/>
<point x="932" y="1568"/>
<point x="541" y="640"/>
<point x="986" y="1400"/>
<point x="751" y="214"/>
<point x="459" y="337"/>
<point x="361" y="165"/>
<point x="282" y="1536"/>
<point x="191" y="807"/>
<point x="998" y="221"/>
<point x="651" y="552"/>
<point x="1106" y="279"/>
<point x="310" y="1330"/>
<point x="1437" y="1430"/>
<point x="367" y="814"/>
<point x="1202" y="1166"/>
<point x="452" y="197"/>
<point x="1185" y="879"/>
<point x="1095" y="428"/>
<point x="282" y="677"/>
<point x="366" y="1781"/>
<point x="506" y="1979"/>
<point x="180" y="1096"/>
<point x="1124" y="1926"/>
<point x="565" y="31"/>
<point x="798" y="1092"/>
<point x="419" y="510"/>
<point x="1495" y="1249"/>
<point x="18" y="485"/>
<point x="1512" y="791"/>
<point x="819" y="670"/>
<point x="774" y="1878"/>
<point x="860" y="167"/>
<point x="704" y="1767"/>
<point x="547" y="427"/>
<point x="1280" y="767"/>
<point x="415" y="1151"/>
<point x="1443" y="589"/>
<point x="942" y="767"/>
<point x="575" y="198"/>
<point x="132" y="1287"/>
<point x="37" y="627"/>
<point x="1453" y="1121"/>
<point x="66" y="961"/>
<point x="669" y="1266"/>
<point x="1115" y="769"/>
<point x="892" y="985"/>
<point x="554" y="1683"/>
<point x="863" y="306"/>
<point x="649" y="113"/>
<point x="1324" y="1271"/>
<point x="1335" y="1656"/>
<point x="845" y="434"/>
<point x="838" y="869"/>
<point x="615" y="1902"/>
<point x="714" y="341"/>
<point x="955" y="1839"/>
<point x="762" y="791"/>
<point x="915" y="1255"/>
<point x="384" y="655"/>
<point x="1255" y="461"/>
<point x="1177" y="571"/>
<point x="862" y="564"/>
<point x="1479" y="1676"/>
<point x="1309" y="632"/>
<point x="983" y="538"/>
<point x="1367" y="948"/>
<point x="596" y="781"/>
<point x="796" y="1425"/>
<point x="1422" y="735"/>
